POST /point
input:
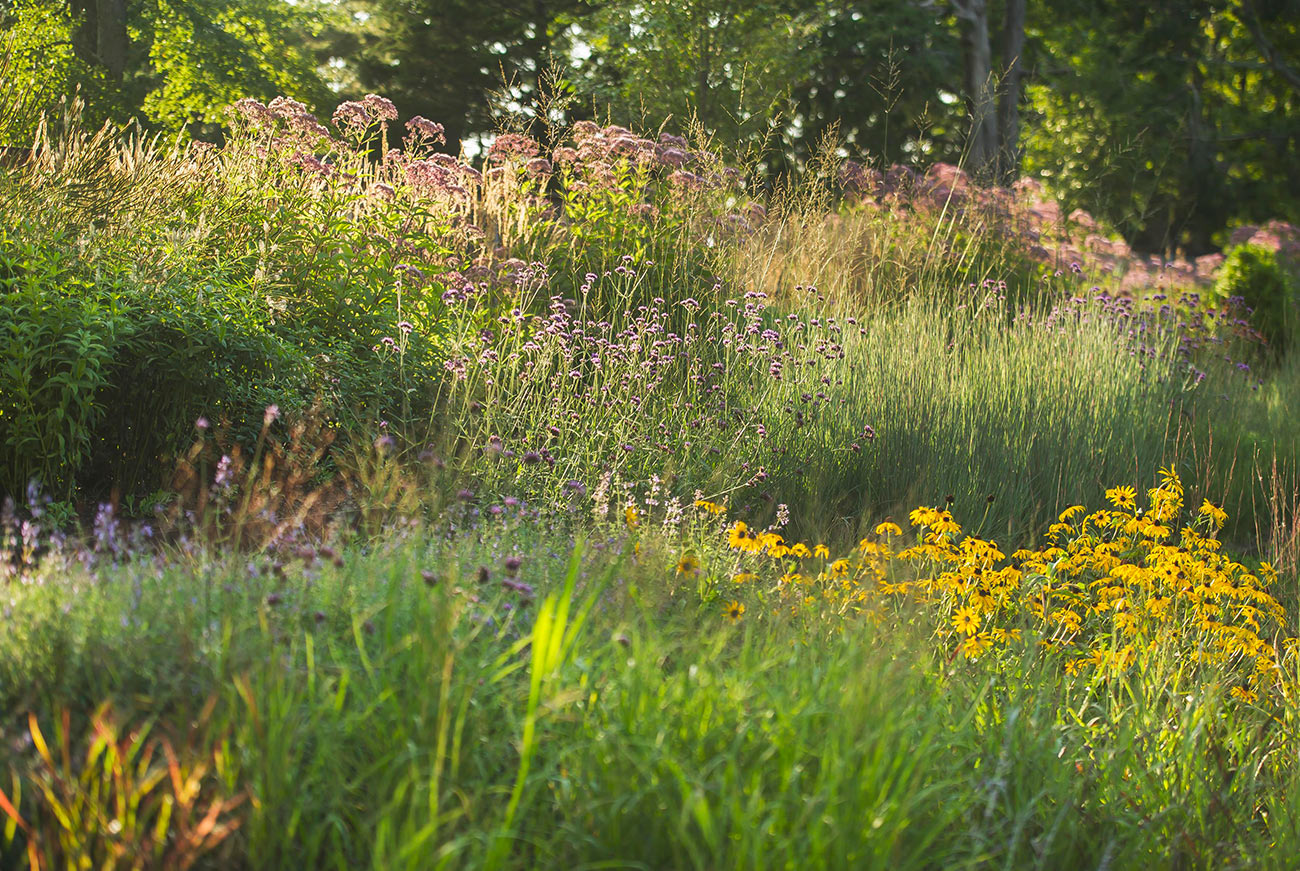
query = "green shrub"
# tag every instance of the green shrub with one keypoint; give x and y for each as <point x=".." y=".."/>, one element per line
<point x="99" y="376"/>
<point x="1253" y="273"/>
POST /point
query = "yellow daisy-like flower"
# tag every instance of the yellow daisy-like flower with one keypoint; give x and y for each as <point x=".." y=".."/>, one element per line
<point x="1216" y="514"/>
<point x="888" y="528"/>
<point x="734" y="610"/>
<point x="1070" y="513"/>
<point x="822" y="551"/>
<point x="710" y="507"/>
<point x="1124" y="498"/>
<point x="689" y="564"/>
<point x="800" y="550"/>
<point x="738" y="536"/>
<point x="966" y="621"/>
<point x="974" y="645"/>
<point x="1242" y="694"/>
<point x="944" y="524"/>
<point x="631" y="517"/>
<point x="744" y="577"/>
<point x="871" y="548"/>
<point x="922" y="516"/>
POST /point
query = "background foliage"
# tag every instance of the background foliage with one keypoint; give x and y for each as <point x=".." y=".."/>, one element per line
<point x="1172" y="123"/>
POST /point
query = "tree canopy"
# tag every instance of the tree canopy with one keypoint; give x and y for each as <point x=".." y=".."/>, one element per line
<point x="1170" y="122"/>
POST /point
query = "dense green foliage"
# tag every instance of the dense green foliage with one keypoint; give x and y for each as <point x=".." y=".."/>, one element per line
<point x="100" y="377"/>
<point x="171" y="65"/>
<point x="1172" y="123"/>
<point x="421" y="706"/>
<point x="1254" y="274"/>
<point x="592" y="503"/>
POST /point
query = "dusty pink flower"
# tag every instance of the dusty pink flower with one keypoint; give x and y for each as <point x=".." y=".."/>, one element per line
<point x="380" y="108"/>
<point x="423" y="130"/>
<point x="510" y="146"/>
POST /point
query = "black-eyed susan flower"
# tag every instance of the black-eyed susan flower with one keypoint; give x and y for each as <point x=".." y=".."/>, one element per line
<point x="1216" y="514"/>
<point x="975" y="645"/>
<point x="922" y="516"/>
<point x="946" y="525"/>
<point x="744" y="577"/>
<point x="631" y="517"/>
<point x="1124" y="497"/>
<point x="888" y="528"/>
<point x="1072" y="512"/>
<point x="734" y="610"/>
<point x="689" y="564"/>
<point x="966" y="621"/>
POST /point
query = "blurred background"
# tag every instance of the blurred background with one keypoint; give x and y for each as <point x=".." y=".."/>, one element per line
<point x="1172" y="123"/>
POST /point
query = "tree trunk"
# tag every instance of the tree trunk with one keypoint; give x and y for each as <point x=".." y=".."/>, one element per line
<point x="100" y="37"/>
<point x="112" y="37"/>
<point x="979" y="87"/>
<point x="1013" y="46"/>
<point x="85" y="31"/>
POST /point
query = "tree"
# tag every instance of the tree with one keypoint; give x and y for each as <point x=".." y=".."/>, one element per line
<point x="170" y="63"/>
<point x="727" y="65"/>
<point x="459" y="62"/>
<point x="885" y="78"/>
<point x="993" y="95"/>
<point x="1171" y="121"/>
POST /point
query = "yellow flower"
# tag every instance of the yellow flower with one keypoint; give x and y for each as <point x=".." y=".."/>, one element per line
<point x="944" y="523"/>
<point x="966" y="620"/>
<point x="1244" y="695"/>
<point x="689" y="564"/>
<point x="872" y="548"/>
<point x="888" y="528"/>
<point x="922" y="516"/>
<point x="1124" y="498"/>
<point x="734" y="610"/>
<point x="710" y="507"/>
<point x="738" y="537"/>
<point x="822" y="551"/>
<point x="974" y="645"/>
<point x="1070" y="513"/>
<point x="800" y="550"/>
<point x="840" y="568"/>
<point x="631" y="517"/>
<point x="1216" y="514"/>
<point x="744" y="577"/>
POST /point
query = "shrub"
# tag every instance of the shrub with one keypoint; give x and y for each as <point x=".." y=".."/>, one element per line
<point x="99" y="375"/>
<point x="1254" y="274"/>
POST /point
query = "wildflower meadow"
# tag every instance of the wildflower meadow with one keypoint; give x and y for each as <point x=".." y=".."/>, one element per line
<point x="589" y="502"/>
